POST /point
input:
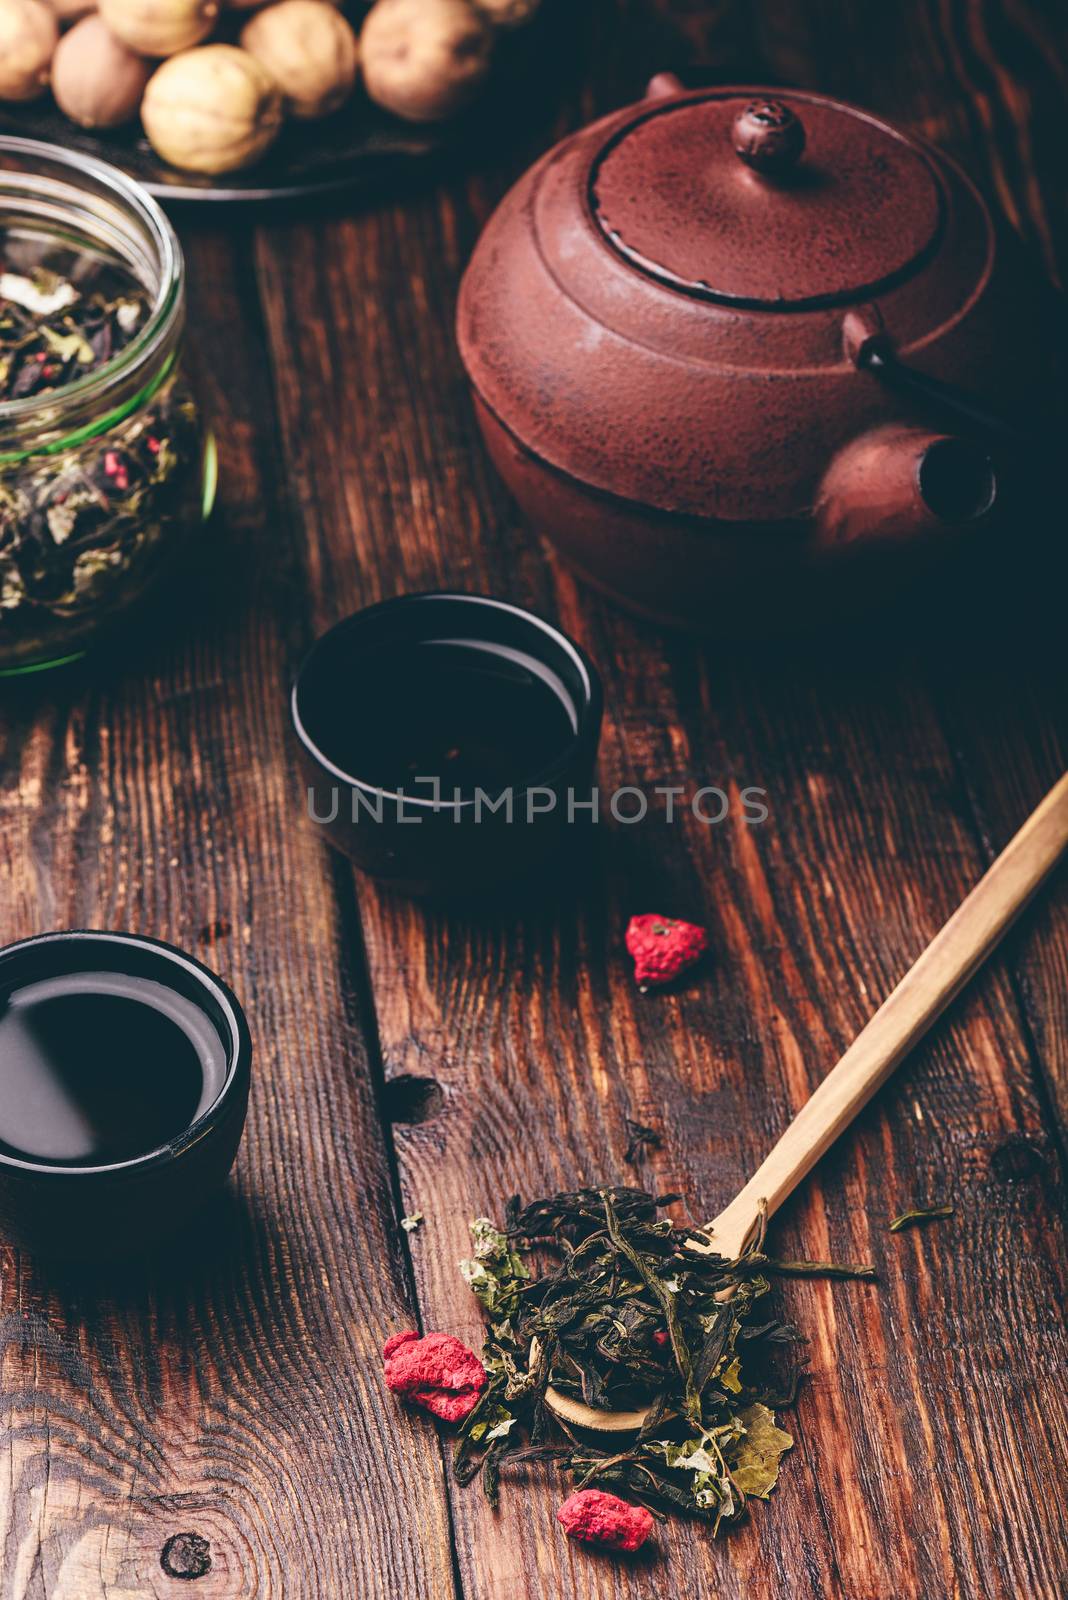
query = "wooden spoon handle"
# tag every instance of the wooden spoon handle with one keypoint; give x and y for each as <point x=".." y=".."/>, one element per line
<point x="939" y="974"/>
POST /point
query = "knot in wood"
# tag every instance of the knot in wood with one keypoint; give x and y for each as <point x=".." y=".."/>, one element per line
<point x="186" y="1555"/>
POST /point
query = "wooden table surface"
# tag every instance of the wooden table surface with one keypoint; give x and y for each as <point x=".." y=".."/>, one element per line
<point x="411" y="1059"/>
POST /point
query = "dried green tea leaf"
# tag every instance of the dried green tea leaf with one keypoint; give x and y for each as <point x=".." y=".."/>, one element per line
<point x="755" y="1467"/>
<point x="712" y="1486"/>
<point x="730" y="1378"/>
<point x="496" y="1273"/>
<point x="642" y="1138"/>
<point x="909" y="1219"/>
<point x="497" y="1424"/>
<point x="817" y="1269"/>
<point x="68" y="347"/>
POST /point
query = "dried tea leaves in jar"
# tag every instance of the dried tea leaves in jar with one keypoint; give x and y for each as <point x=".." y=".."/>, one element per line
<point x="51" y="333"/>
<point x="89" y="493"/>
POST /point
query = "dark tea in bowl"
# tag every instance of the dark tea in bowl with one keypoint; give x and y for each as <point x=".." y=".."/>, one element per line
<point x="124" y="1075"/>
<point x="448" y="741"/>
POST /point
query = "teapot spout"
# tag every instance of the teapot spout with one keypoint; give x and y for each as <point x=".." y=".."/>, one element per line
<point x="901" y="483"/>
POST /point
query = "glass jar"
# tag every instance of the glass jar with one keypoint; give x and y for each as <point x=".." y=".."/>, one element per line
<point x="104" y="478"/>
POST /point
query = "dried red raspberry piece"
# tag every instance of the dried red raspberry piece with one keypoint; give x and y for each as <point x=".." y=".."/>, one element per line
<point x="662" y="947"/>
<point x="115" y="469"/>
<point x="604" y="1519"/>
<point x="394" y="1342"/>
<point x="436" y="1372"/>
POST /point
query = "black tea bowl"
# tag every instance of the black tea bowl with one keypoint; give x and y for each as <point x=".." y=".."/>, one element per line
<point x="124" y="1067"/>
<point x="448" y="742"/>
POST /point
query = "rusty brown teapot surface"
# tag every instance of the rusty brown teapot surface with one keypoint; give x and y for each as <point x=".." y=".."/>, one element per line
<point x="682" y="328"/>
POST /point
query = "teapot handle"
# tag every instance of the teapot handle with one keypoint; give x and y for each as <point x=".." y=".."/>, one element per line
<point x="870" y="349"/>
<point x="959" y="403"/>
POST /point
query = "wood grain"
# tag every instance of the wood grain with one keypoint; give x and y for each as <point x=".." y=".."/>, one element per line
<point x="235" y="1392"/>
<point x="228" y="1387"/>
<point x="932" y="1394"/>
<point x="935" y="979"/>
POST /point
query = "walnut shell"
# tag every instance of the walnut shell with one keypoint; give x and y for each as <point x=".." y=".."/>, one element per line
<point x="211" y="110"/>
<point x="310" y="52"/>
<point x="507" y="13"/>
<point x="96" y="80"/>
<point x="160" y="27"/>
<point x="71" y="10"/>
<point x="424" y="59"/>
<point x="257" y="5"/>
<point x="28" y="37"/>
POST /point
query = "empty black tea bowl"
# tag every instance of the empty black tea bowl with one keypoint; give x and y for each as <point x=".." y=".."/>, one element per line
<point x="124" y="1080"/>
<point x="448" y="742"/>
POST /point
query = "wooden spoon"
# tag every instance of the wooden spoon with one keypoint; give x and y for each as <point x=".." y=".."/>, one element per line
<point x="941" y="972"/>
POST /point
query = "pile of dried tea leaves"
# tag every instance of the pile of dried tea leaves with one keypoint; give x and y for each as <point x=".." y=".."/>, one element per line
<point x="52" y="333"/>
<point x="628" y="1314"/>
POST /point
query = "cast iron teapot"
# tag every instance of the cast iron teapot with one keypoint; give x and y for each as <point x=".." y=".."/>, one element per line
<point x="722" y="345"/>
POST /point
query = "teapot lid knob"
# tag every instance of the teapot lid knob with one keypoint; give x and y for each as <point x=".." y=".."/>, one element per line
<point x="768" y="136"/>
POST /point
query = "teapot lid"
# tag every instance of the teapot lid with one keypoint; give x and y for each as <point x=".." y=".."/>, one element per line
<point x="658" y="308"/>
<point x="784" y="203"/>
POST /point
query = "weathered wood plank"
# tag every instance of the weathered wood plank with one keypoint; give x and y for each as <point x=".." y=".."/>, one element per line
<point x="932" y="1396"/>
<point x="229" y="1387"/>
<point x="1005" y="709"/>
<point x="1010" y="734"/>
<point x="237" y="1393"/>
